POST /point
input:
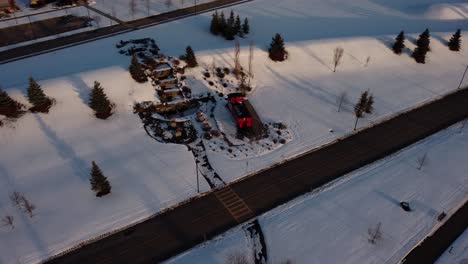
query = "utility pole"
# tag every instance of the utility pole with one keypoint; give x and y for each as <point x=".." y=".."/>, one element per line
<point x="461" y="81"/>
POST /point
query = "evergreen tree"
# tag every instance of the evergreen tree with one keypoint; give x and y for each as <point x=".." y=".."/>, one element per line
<point x="246" y="26"/>
<point x="5" y="100"/>
<point x="455" y="41"/>
<point x="99" y="182"/>
<point x="231" y="20"/>
<point x="399" y="43"/>
<point x="214" y="27"/>
<point x="229" y="33"/>
<point x="222" y="23"/>
<point x="422" y="47"/>
<point x="136" y="71"/>
<point x="190" y="58"/>
<point x="424" y="40"/>
<point x="98" y="101"/>
<point x="277" y="51"/>
<point x="237" y="26"/>
<point x="365" y="105"/>
<point x="8" y="106"/>
<point x="369" y="106"/>
<point x="35" y="94"/>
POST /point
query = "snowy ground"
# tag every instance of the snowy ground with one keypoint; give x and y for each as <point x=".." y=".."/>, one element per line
<point x="337" y="218"/>
<point x="47" y="157"/>
<point x="457" y="253"/>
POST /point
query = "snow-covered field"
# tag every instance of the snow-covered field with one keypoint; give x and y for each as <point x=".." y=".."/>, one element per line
<point x="47" y="157"/>
<point x="331" y="226"/>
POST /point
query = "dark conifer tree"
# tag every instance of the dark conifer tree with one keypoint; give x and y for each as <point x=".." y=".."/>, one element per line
<point x="5" y="100"/>
<point x="35" y="94"/>
<point x="422" y="47"/>
<point x="229" y="33"/>
<point x="99" y="103"/>
<point x="277" y="51"/>
<point x="136" y="71"/>
<point x="214" y="27"/>
<point x="399" y="43"/>
<point x="190" y="58"/>
<point x="246" y="26"/>
<point x="99" y="182"/>
<point x="8" y="106"/>
<point x="455" y="41"/>
<point x="369" y="106"/>
<point x="231" y="20"/>
<point x="237" y="25"/>
<point x="222" y="24"/>
<point x="360" y="107"/>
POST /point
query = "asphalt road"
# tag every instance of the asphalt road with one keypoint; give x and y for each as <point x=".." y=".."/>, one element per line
<point x="80" y="38"/>
<point x="183" y="227"/>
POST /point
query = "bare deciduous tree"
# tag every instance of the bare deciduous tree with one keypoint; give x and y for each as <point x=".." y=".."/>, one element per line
<point x="27" y="206"/>
<point x="342" y="99"/>
<point x="337" y="56"/>
<point x="237" y="258"/>
<point x="8" y="221"/>
<point x="237" y="66"/>
<point x="251" y="55"/>
<point x="375" y="234"/>
<point x="16" y="198"/>
<point x="132" y="8"/>
<point x="422" y="160"/>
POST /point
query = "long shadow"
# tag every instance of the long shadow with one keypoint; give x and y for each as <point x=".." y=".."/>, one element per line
<point x="387" y="197"/>
<point x="65" y="151"/>
<point x="440" y="39"/>
<point x="80" y="87"/>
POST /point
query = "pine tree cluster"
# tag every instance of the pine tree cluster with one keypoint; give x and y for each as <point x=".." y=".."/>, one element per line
<point x="455" y="41"/>
<point x="99" y="103"/>
<point x="230" y="27"/>
<point x="136" y="71"/>
<point x="36" y="96"/>
<point x="189" y="57"/>
<point x="422" y="47"/>
<point x="277" y="51"/>
<point x="399" y="43"/>
<point x="99" y="182"/>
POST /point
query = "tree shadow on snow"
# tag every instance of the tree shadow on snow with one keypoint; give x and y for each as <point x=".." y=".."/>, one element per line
<point x="441" y="39"/>
<point x="80" y="87"/>
<point x="79" y="166"/>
